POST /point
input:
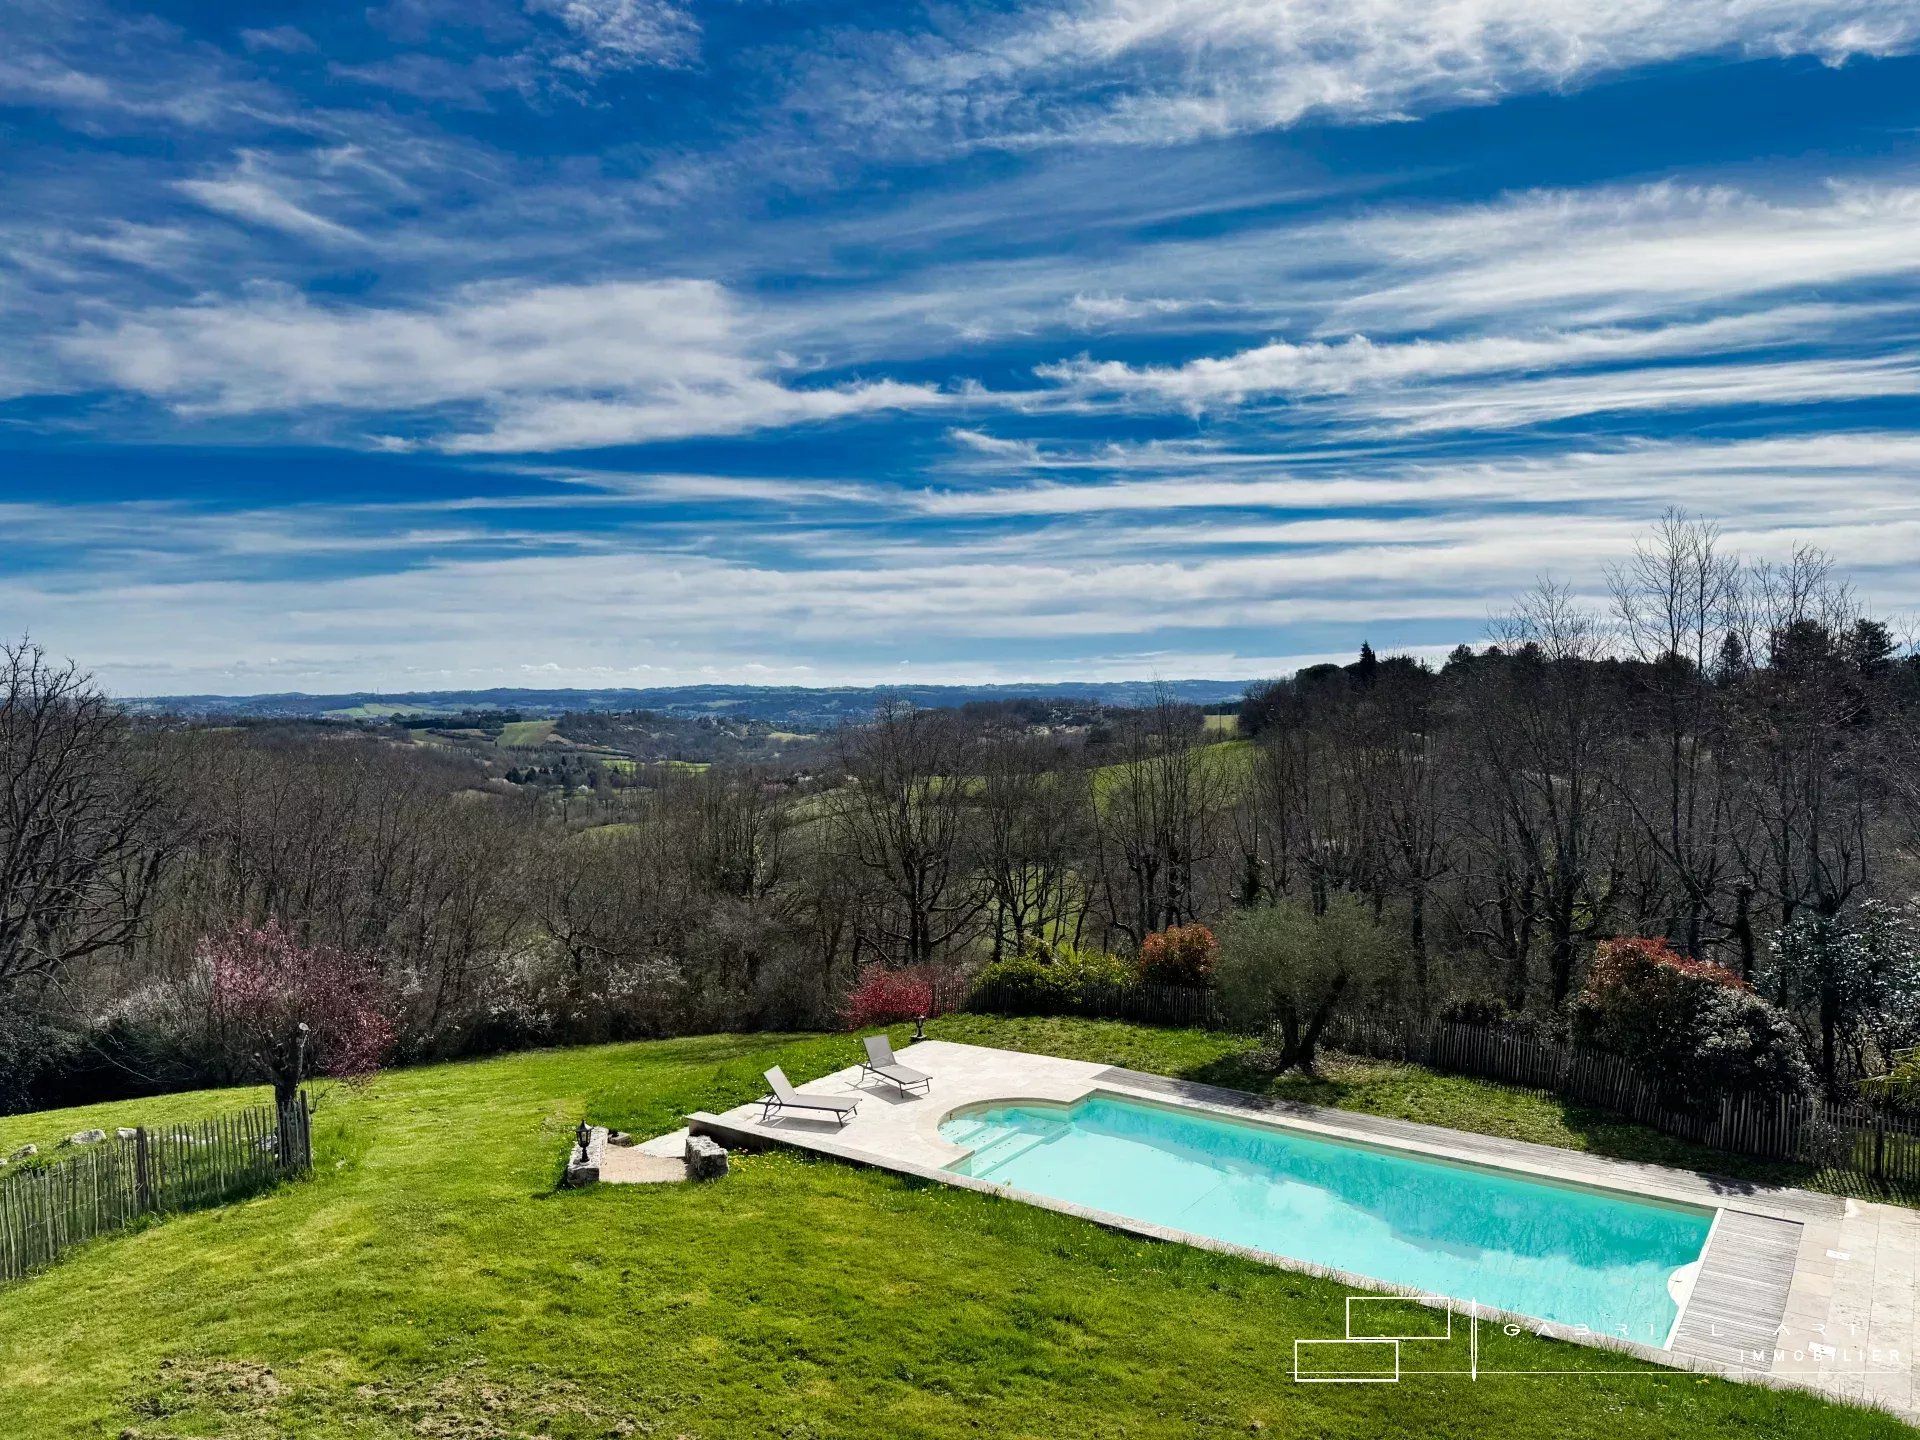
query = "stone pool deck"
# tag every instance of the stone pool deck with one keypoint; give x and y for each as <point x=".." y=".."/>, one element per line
<point x="1795" y="1288"/>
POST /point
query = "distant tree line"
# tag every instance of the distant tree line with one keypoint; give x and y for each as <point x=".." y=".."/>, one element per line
<point x="1720" y="755"/>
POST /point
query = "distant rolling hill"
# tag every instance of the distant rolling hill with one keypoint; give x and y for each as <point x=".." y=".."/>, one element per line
<point x="778" y="703"/>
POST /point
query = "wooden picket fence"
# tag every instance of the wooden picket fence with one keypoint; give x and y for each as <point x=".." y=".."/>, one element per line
<point x="1877" y="1144"/>
<point x="45" y="1210"/>
<point x="1874" y="1142"/>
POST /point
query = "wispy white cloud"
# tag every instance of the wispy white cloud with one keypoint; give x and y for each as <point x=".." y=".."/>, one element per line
<point x="1157" y="71"/>
<point x="1359" y="363"/>
<point x="1097" y="310"/>
<point x="1804" y="476"/>
<point x="617" y="34"/>
<point x="1021" y="451"/>
<point x="676" y="410"/>
<point x="1615" y="253"/>
<point x="283" y="39"/>
<point x="540" y="368"/>
<point x="1513" y="404"/>
<point x="680" y="486"/>
<point x="251" y="198"/>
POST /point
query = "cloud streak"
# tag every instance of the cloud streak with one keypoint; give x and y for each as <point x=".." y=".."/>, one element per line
<point x="867" y="586"/>
<point x="251" y="199"/>
<point x="1132" y="72"/>
<point x="540" y="367"/>
<point x="1613" y="254"/>
<point x="1357" y="363"/>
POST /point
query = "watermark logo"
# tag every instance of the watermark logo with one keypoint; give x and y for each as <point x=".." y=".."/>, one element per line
<point x="1388" y="1337"/>
<point x="1370" y="1352"/>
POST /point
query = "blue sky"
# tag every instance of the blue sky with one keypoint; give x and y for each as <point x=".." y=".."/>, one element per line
<point x="446" y="343"/>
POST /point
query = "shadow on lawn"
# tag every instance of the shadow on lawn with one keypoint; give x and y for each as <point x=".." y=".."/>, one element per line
<point x="1731" y="1174"/>
<point x="1238" y="1072"/>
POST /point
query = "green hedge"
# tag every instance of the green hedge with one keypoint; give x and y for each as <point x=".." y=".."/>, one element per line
<point x="1047" y="977"/>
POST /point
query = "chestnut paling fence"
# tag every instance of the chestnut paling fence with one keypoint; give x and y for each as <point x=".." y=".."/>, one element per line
<point x="45" y="1210"/>
<point x="1873" y="1143"/>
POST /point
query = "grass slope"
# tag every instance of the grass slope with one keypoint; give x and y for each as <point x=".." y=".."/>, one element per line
<point x="1229" y="762"/>
<point x="430" y="1281"/>
<point x="521" y="734"/>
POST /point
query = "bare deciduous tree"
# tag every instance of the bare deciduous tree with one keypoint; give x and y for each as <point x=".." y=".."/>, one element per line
<point x="87" y="819"/>
<point x="1679" y="601"/>
<point x="1543" y="727"/>
<point x="1157" y="822"/>
<point x="1814" y="778"/>
<point x="1032" y="804"/>
<point x="902" y="818"/>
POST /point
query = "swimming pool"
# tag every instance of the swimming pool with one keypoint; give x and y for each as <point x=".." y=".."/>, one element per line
<point x="1560" y="1253"/>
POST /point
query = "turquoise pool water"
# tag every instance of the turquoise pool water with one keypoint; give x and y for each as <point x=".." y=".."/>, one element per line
<point x="1558" y="1253"/>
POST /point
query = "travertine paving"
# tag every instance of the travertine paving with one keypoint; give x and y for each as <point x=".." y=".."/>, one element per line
<point x="1794" y="1288"/>
<point x="1849" y="1327"/>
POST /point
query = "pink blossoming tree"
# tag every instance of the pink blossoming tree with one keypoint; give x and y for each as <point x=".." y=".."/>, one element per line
<point x="291" y="1010"/>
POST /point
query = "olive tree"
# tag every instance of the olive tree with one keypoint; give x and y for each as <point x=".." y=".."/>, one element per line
<point x="1284" y="968"/>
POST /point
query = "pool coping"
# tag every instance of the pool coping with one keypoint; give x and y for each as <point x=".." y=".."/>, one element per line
<point x="911" y="1145"/>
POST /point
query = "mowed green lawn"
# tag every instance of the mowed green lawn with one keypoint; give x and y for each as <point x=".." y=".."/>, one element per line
<point x="430" y="1281"/>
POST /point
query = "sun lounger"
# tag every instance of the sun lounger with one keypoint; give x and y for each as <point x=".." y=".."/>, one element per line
<point x="785" y="1097"/>
<point x="880" y="1063"/>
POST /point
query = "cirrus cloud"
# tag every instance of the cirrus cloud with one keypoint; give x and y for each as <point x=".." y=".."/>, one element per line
<point x="490" y="368"/>
<point x="1167" y="71"/>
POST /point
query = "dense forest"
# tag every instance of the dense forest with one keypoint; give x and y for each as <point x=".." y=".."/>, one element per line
<point x="1719" y="753"/>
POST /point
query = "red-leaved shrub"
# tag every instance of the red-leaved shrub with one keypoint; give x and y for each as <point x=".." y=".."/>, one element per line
<point x="882" y="996"/>
<point x="1693" y="1028"/>
<point x="1180" y="955"/>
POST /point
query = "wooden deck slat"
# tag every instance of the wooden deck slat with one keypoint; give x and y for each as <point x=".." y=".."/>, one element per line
<point x="1740" y="1295"/>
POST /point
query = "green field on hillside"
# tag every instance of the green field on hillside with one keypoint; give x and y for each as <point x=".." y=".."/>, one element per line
<point x="429" y="1280"/>
<point x="381" y="710"/>
<point x="1229" y="762"/>
<point x="518" y="734"/>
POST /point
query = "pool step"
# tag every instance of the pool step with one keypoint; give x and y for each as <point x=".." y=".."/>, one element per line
<point x="1007" y="1157"/>
<point x="1005" y="1147"/>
